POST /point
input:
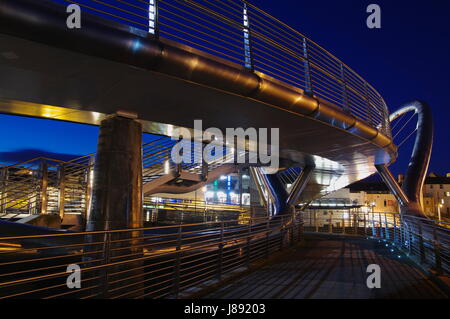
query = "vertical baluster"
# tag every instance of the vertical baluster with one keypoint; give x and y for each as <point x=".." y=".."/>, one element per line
<point x="437" y="251"/>
<point x="307" y="66"/>
<point x="248" y="58"/>
<point x="386" y="228"/>
<point x="344" y="88"/>
<point x="221" y="245"/>
<point x="43" y="196"/>
<point x="369" y="108"/>
<point x="61" y="190"/>
<point x="4" y="193"/>
<point x="153" y="23"/>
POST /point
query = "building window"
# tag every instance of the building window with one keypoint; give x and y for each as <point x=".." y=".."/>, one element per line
<point x="441" y="186"/>
<point x="431" y="186"/>
<point x="385" y="203"/>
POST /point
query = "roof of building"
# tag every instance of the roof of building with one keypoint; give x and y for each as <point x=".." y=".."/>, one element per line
<point x="373" y="186"/>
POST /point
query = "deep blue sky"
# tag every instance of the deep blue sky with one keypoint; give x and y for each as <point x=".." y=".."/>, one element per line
<point x="407" y="59"/>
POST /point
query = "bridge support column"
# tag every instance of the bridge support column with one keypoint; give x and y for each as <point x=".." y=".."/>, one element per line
<point x="116" y="202"/>
<point x="299" y="185"/>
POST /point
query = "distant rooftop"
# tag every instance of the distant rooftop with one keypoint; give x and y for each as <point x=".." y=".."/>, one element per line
<point x="379" y="186"/>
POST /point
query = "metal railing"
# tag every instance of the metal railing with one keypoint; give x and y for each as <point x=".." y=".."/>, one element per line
<point x="241" y="33"/>
<point x="424" y="239"/>
<point x="43" y="185"/>
<point x="154" y="262"/>
<point x="50" y="186"/>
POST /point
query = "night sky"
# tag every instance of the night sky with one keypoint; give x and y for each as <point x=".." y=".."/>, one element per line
<point x="407" y="59"/>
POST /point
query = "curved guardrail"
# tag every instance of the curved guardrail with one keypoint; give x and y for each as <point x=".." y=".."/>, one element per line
<point x="243" y="34"/>
<point x="427" y="241"/>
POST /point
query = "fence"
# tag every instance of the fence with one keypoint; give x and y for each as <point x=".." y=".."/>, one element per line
<point x="151" y="262"/>
<point x="423" y="238"/>
<point x="243" y="34"/>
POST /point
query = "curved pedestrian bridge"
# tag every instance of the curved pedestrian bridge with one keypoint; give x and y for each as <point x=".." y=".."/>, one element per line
<point x="225" y="62"/>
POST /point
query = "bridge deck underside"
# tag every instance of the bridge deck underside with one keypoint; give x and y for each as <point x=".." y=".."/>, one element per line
<point x="333" y="268"/>
<point x="85" y="88"/>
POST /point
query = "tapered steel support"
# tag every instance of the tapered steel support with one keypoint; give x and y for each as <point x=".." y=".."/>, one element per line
<point x="299" y="185"/>
<point x="420" y="158"/>
<point x="116" y="202"/>
<point x="392" y="184"/>
<point x="260" y="187"/>
<point x="273" y="191"/>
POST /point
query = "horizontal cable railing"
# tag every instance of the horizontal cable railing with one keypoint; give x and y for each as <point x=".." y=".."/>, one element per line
<point x="240" y="32"/>
<point x="425" y="239"/>
<point x="154" y="262"/>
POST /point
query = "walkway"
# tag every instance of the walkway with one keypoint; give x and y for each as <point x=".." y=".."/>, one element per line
<point x="333" y="267"/>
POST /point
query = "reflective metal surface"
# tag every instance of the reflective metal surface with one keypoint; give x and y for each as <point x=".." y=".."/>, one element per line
<point x="102" y="69"/>
<point x="420" y="157"/>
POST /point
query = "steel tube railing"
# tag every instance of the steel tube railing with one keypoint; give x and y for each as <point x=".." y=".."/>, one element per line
<point x="240" y="32"/>
<point x="424" y="239"/>
<point x="198" y="251"/>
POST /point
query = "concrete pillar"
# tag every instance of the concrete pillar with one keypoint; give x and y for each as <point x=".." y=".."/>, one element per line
<point x="116" y="203"/>
<point x="117" y="187"/>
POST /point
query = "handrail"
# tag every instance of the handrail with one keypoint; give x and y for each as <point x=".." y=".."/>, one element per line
<point x="424" y="239"/>
<point x="255" y="40"/>
<point x="113" y="262"/>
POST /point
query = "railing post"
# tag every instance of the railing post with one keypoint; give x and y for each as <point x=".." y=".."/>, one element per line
<point x="300" y="226"/>
<point x="267" y="237"/>
<point x="343" y="224"/>
<point x="292" y="227"/>
<point x="176" y="276"/>
<point x="437" y="251"/>
<point x="4" y="193"/>
<point x="43" y="196"/>
<point x="386" y="228"/>
<point x="402" y="230"/>
<point x="381" y="226"/>
<point x="248" y="57"/>
<point x="421" y="243"/>
<point x="249" y="231"/>
<point x="395" y="229"/>
<point x="88" y="188"/>
<point x="369" y="112"/>
<point x="153" y="19"/>
<point x="61" y="190"/>
<point x="106" y="260"/>
<point x="344" y="87"/>
<point x="374" y="232"/>
<point x="365" y="224"/>
<point x="307" y="66"/>
<point x="221" y="244"/>
<point x="330" y="225"/>
<point x="316" y="225"/>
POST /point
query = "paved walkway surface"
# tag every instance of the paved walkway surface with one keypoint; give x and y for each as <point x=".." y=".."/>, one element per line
<point x="333" y="267"/>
